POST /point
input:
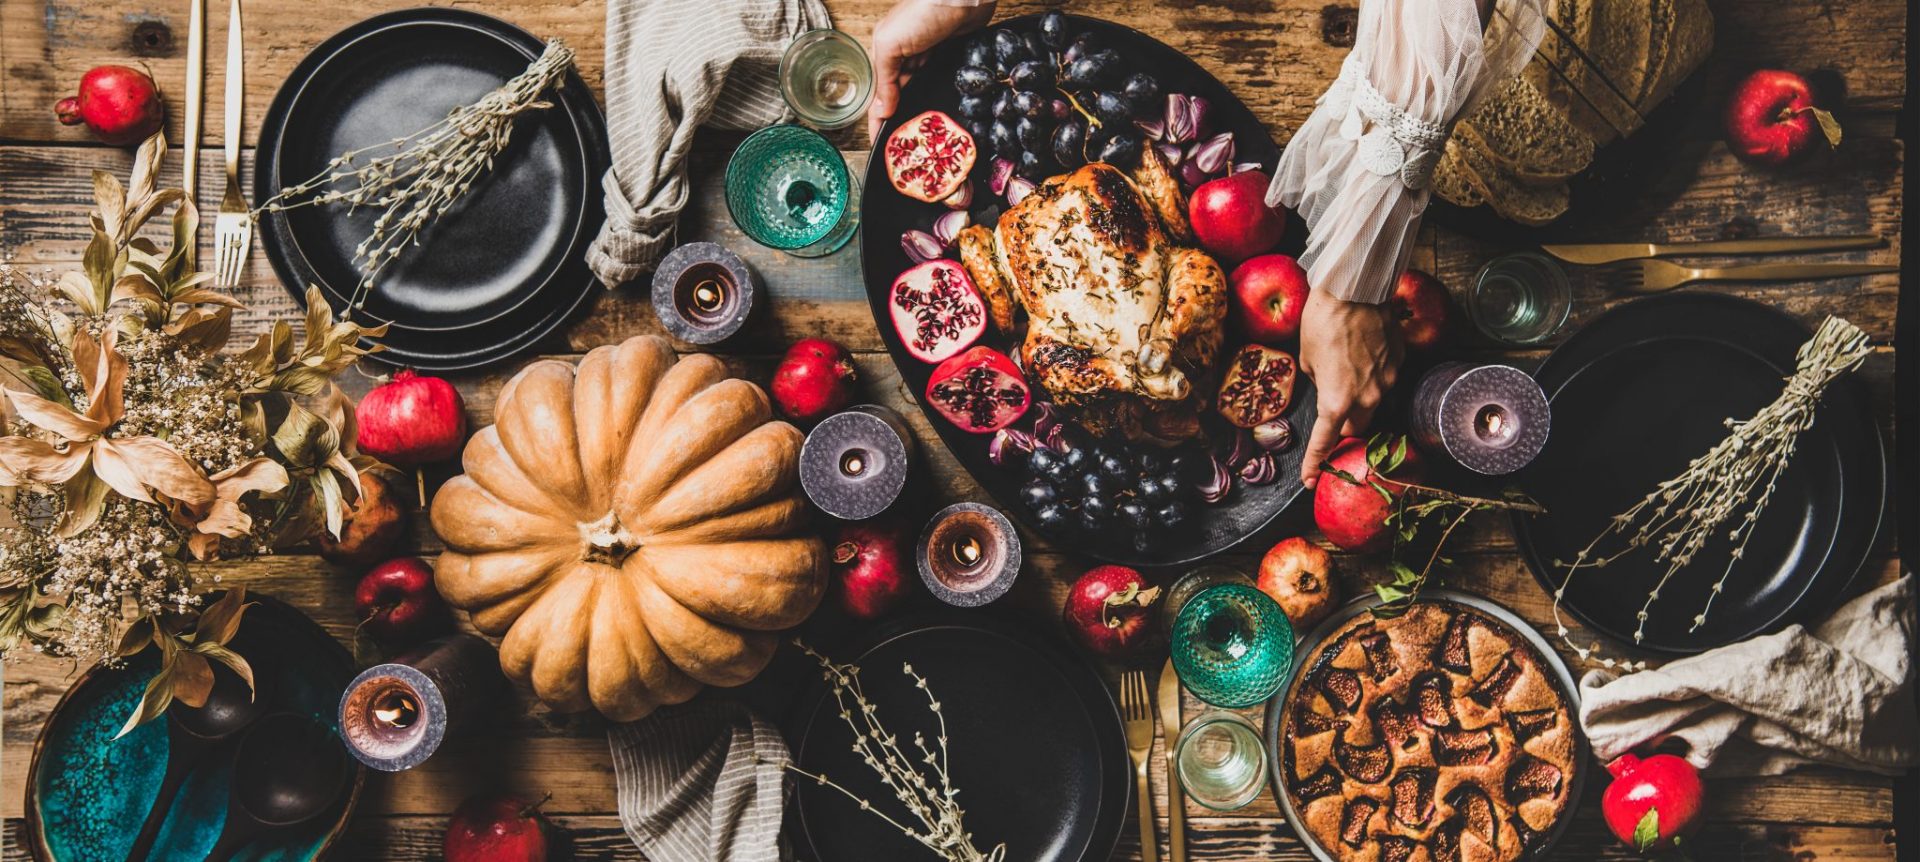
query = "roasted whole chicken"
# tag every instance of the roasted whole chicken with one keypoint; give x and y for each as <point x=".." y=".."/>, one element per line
<point x="1124" y="317"/>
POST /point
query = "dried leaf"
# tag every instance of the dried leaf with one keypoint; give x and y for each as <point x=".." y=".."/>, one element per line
<point x="54" y="417"/>
<point x="75" y="287"/>
<point x="132" y="465"/>
<point x="85" y="497"/>
<point x="206" y="331"/>
<point x="153" y="702"/>
<point x="146" y="166"/>
<point x="338" y="409"/>
<point x="202" y="296"/>
<point x="233" y="661"/>
<point x="110" y="198"/>
<point x="137" y="637"/>
<point x="142" y="210"/>
<point x="1829" y="127"/>
<point x="46" y="385"/>
<point x="221" y="620"/>
<point x="98" y="262"/>
<point x="304" y="439"/>
<point x="332" y="504"/>
<point x="25" y="460"/>
<point x="104" y="372"/>
<point x="192" y="678"/>
<point x="319" y="319"/>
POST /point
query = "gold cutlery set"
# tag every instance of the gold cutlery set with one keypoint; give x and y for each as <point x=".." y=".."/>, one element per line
<point x="1642" y="271"/>
<point x="1137" y="710"/>
<point x="233" y="226"/>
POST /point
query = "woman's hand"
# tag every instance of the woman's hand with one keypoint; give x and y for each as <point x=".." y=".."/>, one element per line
<point x="900" y="44"/>
<point x="1352" y="352"/>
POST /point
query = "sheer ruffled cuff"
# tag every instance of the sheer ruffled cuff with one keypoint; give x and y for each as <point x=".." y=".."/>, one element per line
<point x="1357" y="169"/>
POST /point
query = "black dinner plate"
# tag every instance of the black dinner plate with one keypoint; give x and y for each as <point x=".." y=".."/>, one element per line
<point x="1640" y="392"/>
<point x="1038" y="752"/>
<point x="886" y="212"/>
<point x="507" y="265"/>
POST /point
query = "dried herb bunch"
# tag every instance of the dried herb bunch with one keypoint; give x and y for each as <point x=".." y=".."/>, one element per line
<point x="934" y="802"/>
<point x="1415" y="512"/>
<point x="132" y="446"/>
<point x="1730" y="484"/>
<point x="414" y="180"/>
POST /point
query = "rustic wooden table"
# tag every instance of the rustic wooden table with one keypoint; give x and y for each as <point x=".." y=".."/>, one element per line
<point x="1277" y="55"/>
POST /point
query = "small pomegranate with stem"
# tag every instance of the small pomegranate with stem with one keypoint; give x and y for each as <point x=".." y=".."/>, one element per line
<point x="981" y="391"/>
<point x="120" y="104"/>
<point x="411" y="421"/>
<point x="928" y="157"/>
<point x="815" y="380"/>
<point x="937" y="310"/>
<point x="872" y="560"/>
<point x="1298" y="576"/>
<point x="1653" y="803"/>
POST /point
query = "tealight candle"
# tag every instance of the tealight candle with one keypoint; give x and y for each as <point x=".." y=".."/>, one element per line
<point x="968" y="555"/>
<point x="1492" y="419"/>
<point x="394" y="716"/>
<point x="703" y="293"/>
<point x="854" y="464"/>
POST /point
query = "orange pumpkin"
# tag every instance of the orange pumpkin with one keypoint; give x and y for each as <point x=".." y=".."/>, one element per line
<point x="632" y="529"/>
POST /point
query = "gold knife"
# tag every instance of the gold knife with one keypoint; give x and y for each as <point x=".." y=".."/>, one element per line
<point x="1613" y="252"/>
<point x="196" y="97"/>
<point x="1170" y="731"/>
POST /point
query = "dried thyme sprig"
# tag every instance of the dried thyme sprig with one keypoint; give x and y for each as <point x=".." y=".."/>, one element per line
<point x="423" y="175"/>
<point x="1739" y="474"/>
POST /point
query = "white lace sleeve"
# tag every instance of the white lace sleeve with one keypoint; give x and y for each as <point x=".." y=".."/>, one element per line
<point x="1357" y="170"/>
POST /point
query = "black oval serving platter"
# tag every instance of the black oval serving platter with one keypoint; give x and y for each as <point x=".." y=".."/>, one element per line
<point x="1640" y="392"/>
<point x="507" y="265"/>
<point x="885" y="213"/>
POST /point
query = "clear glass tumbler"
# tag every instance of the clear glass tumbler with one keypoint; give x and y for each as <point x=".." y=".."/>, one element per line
<point x="1232" y="646"/>
<point x="788" y="188"/>
<point x="1520" y="299"/>
<point x="826" y="78"/>
<point x="1221" y="760"/>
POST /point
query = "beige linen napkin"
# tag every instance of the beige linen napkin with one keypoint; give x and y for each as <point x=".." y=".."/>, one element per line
<point x="701" y="782"/>
<point x="673" y="66"/>
<point x="1840" y="694"/>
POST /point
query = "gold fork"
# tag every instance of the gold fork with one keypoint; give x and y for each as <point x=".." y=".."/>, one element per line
<point x="233" y="227"/>
<point x="1653" y="276"/>
<point x="1136" y="707"/>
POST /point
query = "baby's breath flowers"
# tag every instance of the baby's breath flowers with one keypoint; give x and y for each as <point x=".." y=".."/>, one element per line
<point x="1730" y="484"/>
<point x="413" y="180"/>
<point x="132" y="445"/>
<point x="934" y="803"/>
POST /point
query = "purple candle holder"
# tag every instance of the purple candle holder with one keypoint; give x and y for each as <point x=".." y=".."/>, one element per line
<point x="394" y="716"/>
<point x="703" y="293"/>
<point x="968" y="555"/>
<point x="854" y="464"/>
<point x="1491" y="419"/>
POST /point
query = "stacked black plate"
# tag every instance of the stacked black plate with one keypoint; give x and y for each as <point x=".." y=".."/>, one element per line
<point x="502" y="270"/>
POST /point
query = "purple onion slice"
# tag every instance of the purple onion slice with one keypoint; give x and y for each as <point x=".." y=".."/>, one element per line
<point x="949" y="225"/>
<point x="921" y="246"/>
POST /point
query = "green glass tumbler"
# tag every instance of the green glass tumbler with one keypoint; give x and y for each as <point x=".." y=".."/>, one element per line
<point x="1232" y="646"/>
<point x="789" y="189"/>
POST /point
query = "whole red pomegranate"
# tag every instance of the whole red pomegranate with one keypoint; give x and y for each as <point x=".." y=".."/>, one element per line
<point x="872" y="561"/>
<point x="412" y="420"/>
<point x="1652" y="802"/>
<point x="1298" y="576"/>
<point x="120" y="104"/>
<point x="1353" y="513"/>
<point x="815" y="380"/>
<point x="1231" y="218"/>
<point x="1109" y="611"/>
<point x="1772" y="118"/>
<point x="498" y="828"/>
<point x="397" y="602"/>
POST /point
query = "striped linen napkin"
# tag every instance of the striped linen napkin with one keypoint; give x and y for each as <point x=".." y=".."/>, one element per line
<point x="701" y="782"/>
<point x="673" y="66"/>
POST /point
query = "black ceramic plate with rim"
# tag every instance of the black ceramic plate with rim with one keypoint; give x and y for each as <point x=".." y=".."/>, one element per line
<point x="1640" y="392"/>
<point x="1038" y="751"/>
<point x="885" y="213"/>
<point x="507" y="265"/>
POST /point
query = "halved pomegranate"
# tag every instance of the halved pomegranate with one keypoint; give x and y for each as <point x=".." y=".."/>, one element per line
<point x="980" y="390"/>
<point x="929" y="156"/>
<point x="937" y="310"/>
<point x="1258" y="386"/>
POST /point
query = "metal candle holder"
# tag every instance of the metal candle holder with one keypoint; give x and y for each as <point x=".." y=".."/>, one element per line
<point x="1491" y="419"/>
<point x="394" y="716"/>
<point x="854" y="464"/>
<point x="968" y="555"/>
<point x="703" y="293"/>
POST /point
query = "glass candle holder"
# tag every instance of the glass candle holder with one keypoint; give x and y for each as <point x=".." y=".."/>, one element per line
<point x="854" y="464"/>
<point x="1520" y="299"/>
<point x="703" y="293"/>
<point x="826" y="78"/>
<point x="1221" y="761"/>
<point x="394" y="716"/>
<point x="789" y="189"/>
<point x="1491" y="419"/>
<point x="1192" y="584"/>
<point x="968" y="555"/>
<point x="1232" y="645"/>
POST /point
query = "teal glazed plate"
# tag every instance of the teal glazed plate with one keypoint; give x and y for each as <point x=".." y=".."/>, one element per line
<point x="87" y="793"/>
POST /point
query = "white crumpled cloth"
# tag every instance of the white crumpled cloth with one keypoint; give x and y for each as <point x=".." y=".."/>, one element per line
<point x="1357" y="169"/>
<point x="1840" y="693"/>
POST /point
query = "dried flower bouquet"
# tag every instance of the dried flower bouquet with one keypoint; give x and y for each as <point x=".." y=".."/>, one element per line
<point x="131" y="446"/>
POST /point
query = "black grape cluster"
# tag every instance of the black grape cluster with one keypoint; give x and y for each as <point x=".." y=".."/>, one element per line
<point x="1139" y="496"/>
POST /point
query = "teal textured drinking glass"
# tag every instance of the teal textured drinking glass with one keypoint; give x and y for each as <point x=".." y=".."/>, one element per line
<point x="1232" y="646"/>
<point x="788" y="188"/>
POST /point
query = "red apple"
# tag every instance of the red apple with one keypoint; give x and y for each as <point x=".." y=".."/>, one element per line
<point x="1109" y="611"/>
<point x="1298" y="576"/>
<point x="1772" y="119"/>
<point x="397" y="603"/>
<point x="1663" y="784"/>
<point x="1231" y="218"/>
<point x="815" y="380"/>
<point x="1269" y="292"/>
<point x="872" y="561"/>
<point x="1420" y="305"/>
<point x="498" y="828"/>
<point x="1352" y="513"/>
